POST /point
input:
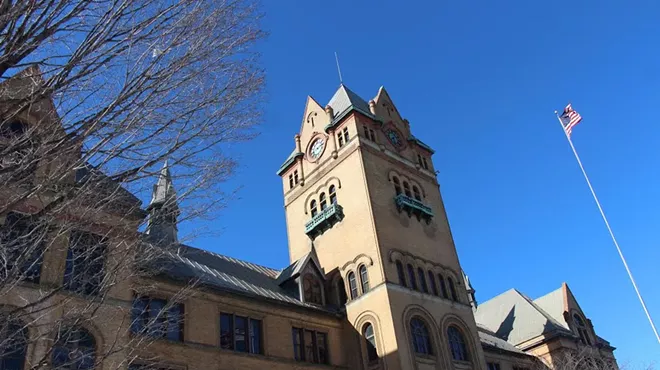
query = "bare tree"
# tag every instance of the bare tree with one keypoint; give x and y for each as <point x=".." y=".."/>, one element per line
<point x="94" y="96"/>
<point x="583" y="358"/>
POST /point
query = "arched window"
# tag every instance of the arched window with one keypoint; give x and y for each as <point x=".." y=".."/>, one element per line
<point x="406" y="189"/>
<point x="341" y="290"/>
<point x="333" y="195"/>
<point x="312" y="207"/>
<point x="411" y="277"/>
<point x="416" y="192"/>
<point x="370" y="341"/>
<point x="352" y="284"/>
<point x="452" y="289"/>
<point x="582" y="329"/>
<point x="312" y="289"/>
<point x="397" y="185"/>
<point x="364" y="278"/>
<point x="75" y="348"/>
<point x="13" y="344"/>
<point x="323" y="202"/>
<point x="457" y="344"/>
<point x="419" y="159"/>
<point x="422" y="280"/>
<point x="434" y="287"/>
<point x="421" y="340"/>
<point x="443" y="287"/>
<point x="399" y="271"/>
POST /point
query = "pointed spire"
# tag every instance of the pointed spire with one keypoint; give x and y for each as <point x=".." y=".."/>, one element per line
<point x="163" y="208"/>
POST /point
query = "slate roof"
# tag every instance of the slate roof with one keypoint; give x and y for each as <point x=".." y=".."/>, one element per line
<point x="553" y="304"/>
<point x="344" y="99"/>
<point x="225" y="273"/>
<point x="515" y="318"/>
<point x="490" y="341"/>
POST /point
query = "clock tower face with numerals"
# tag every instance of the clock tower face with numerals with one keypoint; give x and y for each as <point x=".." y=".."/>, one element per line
<point x="316" y="148"/>
<point x="395" y="138"/>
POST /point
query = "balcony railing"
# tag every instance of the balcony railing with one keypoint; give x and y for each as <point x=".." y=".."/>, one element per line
<point x="413" y="207"/>
<point x="324" y="220"/>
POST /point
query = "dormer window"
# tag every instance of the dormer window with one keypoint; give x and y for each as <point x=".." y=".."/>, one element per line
<point x="581" y="329"/>
<point x="312" y="289"/>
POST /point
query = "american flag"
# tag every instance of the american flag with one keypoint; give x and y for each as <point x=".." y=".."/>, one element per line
<point x="569" y="119"/>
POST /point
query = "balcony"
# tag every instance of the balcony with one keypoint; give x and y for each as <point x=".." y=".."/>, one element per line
<point x="413" y="207"/>
<point x="324" y="220"/>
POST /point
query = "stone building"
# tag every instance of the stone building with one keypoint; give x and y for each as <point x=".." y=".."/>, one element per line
<point x="374" y="280"/>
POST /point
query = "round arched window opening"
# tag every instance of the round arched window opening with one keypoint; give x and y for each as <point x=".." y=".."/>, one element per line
<point x="370" y="342"/>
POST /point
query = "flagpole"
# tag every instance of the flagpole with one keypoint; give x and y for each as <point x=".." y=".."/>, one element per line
<point x="616" y="244"/>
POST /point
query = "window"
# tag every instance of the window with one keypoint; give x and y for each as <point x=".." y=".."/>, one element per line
<point x="421" y="340"/>
<point x="13" y="337"/>
<point x="373" y="135"/>
<point x="295" y="177"/>
<point x="340" y="139"/>
<point x="426" y="165"/>
<point x="366" y="132"/>
<point x="434" y="287"/>
<point x="370" y="342"/>
<point x="341" y="290"/>
<point x="240" y="333"/>
<point x="352" y="284"/>
<point x="399" y="271"/>
<point x="333" y="194"/>
<point x="291" y="181"/>
<point x="416" y="193"/>
<point x="422" y="280"/>
<point x="312" y="207"/>
<point x="324" y="203"/>
<point x="157" y="318"/>
<point x="364" y="278"/>
<point x="419" y="160"/>
<point x="11" y="129"/>
<point x="22" y="243"/>
<point x="411" y="277"/>
<point x="84" y="263"/>
<point x="397" y="185"/>
<point x="452" y="289"/>
<point x="582" y="329"/>
<point x="75" y="348"/>
<point x="312" y="289"/>
<point x="406" y="189"/>
<point x="443" y="287"/>
<point x="346" y="137"/>
<point x="310" y="346"/>
<point x="457" y="344"/>
<point x="493" y="366"/>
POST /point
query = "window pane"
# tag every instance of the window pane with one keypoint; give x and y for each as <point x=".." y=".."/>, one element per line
<point x="352" y="284"/>
<point x="364" y="278"/>
<point x="434" y="287"/>
<point x="255" y="336"/>
<point x="370" y="339"/>
<point x="175" y="323"/>
<point x="298" y="352"/>
<point x="226" y="331"/>
<point x="322" y="344"/>
<point x="310" y="345"/>
<point x="411" y="277"/>
<point x="452" y="289"/>
<point x="443" y="287"/>
<point x="239" y="333"/>
<point x="422" y="280"/>
<point x="157" y="319"/>
<point x="399" y="271"/>
<point x="138" y="315"/>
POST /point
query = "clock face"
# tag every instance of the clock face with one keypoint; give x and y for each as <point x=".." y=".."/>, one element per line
<point x="394" y="138"/>
<point x="316" y="149"/>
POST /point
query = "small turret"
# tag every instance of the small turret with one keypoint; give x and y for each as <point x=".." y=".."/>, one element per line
<point x="163" y="209"/>
<point x="471" y="292"/>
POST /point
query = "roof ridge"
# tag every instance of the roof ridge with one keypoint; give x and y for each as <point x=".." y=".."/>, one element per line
<point x="234" y="259"/>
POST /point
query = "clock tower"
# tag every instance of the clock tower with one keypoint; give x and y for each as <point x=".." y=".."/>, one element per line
<point x="361" y="196"/>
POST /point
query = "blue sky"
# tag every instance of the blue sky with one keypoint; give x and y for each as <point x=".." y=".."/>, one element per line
<point x="479" y="82"/>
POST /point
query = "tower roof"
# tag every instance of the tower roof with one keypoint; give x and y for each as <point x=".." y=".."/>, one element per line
<point x="344" y="99"/>
<point x="164" y="188"/>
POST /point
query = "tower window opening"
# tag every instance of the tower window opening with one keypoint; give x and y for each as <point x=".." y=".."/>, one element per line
<point x="346" y="137"/>
<point x="397" y="185"/>
<point x="406" y="189"/>
<point x="352" y="283"/>
<point x="400" y="273"/>
<point x="419" y="160"/>
<point x="324" y="203"/>
<point x="457" y="344"/>
<point x="370" y="341"/>
<point x="341" y="290"/>
<point x="452" y="289"/>
<point x="340" y="139"/>
<point x="373" y="135"/>
<point x="291" y="181"/>
<point x="425" y="164"/>
<point x="295" y="177"/>
<point x="422" y="280"/>
<point x="416" y="193"/>
<point x="364" y="279"/>
<point x="421" y="339"/>
<point x="411" y="277"/>
<point x="333" y="194"/>
<point x="434" y="287"/>
<point x="312" y="289"/>
<point x="312" y="208"/>
<point x="443" y="287"/>
<point x="366" y="132"/>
